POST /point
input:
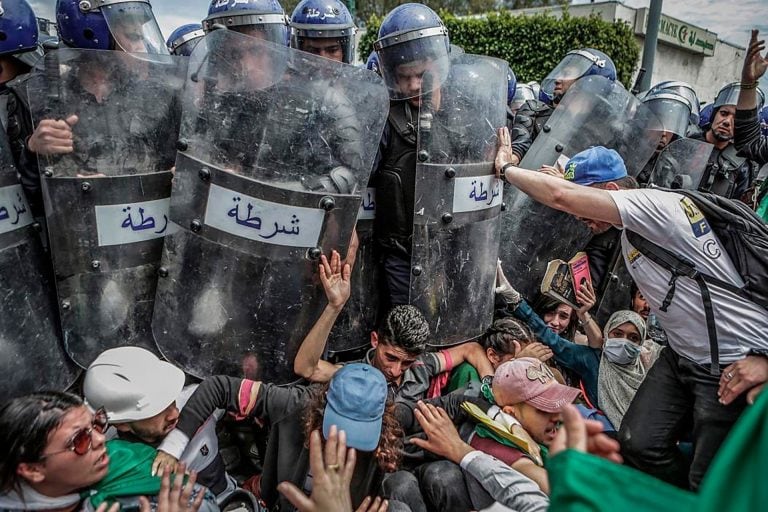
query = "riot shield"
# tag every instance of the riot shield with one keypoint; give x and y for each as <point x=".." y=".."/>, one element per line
<point x="32" y="356"/>
<point x="107" y="201"/>
<point x="594" y="112"/>
<point x="352" y="329"/>
<point x="681" y="164"/>
<point x="275" y="151"/>
<point x="457" y="202"/>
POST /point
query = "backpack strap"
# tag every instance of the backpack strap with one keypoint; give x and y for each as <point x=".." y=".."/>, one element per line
<point x="680" y="266"/>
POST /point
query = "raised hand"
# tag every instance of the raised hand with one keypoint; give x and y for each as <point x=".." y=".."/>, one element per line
<point x="754" y="63"/>
<point x="331" y="476"/>
<point x="335" y="277"/>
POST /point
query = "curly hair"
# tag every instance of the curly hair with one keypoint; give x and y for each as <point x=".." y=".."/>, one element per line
<point x="390" y="448"/>
<point x="503" y="332"/>
<point x="405" y="327"/>
<point x="25" y="424"/>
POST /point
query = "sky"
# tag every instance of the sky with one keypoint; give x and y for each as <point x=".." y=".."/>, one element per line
<point x="731" y="20"/>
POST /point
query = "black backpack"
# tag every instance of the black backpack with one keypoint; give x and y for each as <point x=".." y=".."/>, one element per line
<point x="744" y="237"/>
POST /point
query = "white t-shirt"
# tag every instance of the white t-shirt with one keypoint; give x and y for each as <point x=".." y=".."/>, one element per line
<point x="673" y="222"/>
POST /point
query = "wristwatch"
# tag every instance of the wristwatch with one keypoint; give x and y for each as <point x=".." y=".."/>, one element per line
<point x="583" y="323"/>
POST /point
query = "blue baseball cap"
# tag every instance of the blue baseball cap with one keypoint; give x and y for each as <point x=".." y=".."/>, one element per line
<point x="355" y="404"/>
<point x="595" y="165"/>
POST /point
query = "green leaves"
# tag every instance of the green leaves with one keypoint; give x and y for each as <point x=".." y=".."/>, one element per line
<point x="533" y="45"/>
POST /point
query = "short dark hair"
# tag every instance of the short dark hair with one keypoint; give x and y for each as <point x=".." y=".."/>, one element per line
<point x="405" y="327"/>
<point x="626" y="183"/>
<point x="25" y="424"/>
<point x="503" y="332"/>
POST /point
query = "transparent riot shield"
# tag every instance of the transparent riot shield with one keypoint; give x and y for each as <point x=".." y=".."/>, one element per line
<point x="458" y="199"/>
<point x="276" y="148"/>
<point x="594" y="112"/>
<point x="107" y="201"/>
<point x="32" y="356"/>
<point x="681" y="164"/>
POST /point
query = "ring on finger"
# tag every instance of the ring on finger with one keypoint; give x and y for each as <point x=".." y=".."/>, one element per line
<point x="332" y="467"/>
<point x="729" y="375"/>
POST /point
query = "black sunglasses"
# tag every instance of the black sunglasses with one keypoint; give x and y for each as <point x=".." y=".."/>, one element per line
<point x="81" y="442"/>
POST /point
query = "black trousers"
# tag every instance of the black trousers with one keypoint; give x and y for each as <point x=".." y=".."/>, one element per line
<point x="676" y="398"/>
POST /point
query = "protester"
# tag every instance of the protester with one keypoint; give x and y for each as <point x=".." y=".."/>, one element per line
<point x="332" y="467"/>
<point x="523" y="399"/>
<point x="142" y="396"/>
<point x="503" y="483"/>
<point x="505" y="339"/>
<point x="398" y="346"/>
<point x="610" y="374"/>
<point x="729" y="484"/>
<point x="639" y="305"/>
<point x="679" y="387"/>
<point x="355" y="400"/>
<point x="54" y="456"/>
<point x="747" y="135"/>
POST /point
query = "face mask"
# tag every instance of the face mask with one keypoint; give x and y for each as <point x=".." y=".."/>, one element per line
<point x="621" y="351"/>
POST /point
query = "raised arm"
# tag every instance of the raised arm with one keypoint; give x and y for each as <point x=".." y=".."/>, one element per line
<point x="335" y="278"/>
<point x="234" y="395"/>
<point x="586" y="298"/>
<point x="570" y="355"/>
<point x="754" y="68"/>
<point x="471" y="352"/>
<point x="557" y="193"/>
<point x="747" y="136"/>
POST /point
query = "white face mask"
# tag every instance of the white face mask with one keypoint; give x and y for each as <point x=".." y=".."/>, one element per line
<point x="621" y="351"/>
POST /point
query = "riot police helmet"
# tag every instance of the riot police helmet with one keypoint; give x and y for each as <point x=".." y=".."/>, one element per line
<point x="184" y="39"/>
<point x="325" y="28"/>
<point x="729" y="95"/>
<point x="523" y="93"/>
<point x="131" y="384"/>
<point x="412" y="41"/>
<point x="511" y="86"/>
<point x="19" y="32"/>
<point x="127" y="25"/>
<point x="705" y="116"/>
<point x="672" y="109"/>
<point x="372" y="63"/>
<point x="576" y="64"/>
<point x="264" y="19"/>
<point x="682" y="89"/>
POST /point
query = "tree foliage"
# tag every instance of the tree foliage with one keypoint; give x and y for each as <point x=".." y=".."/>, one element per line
<point x="533" y="45"/>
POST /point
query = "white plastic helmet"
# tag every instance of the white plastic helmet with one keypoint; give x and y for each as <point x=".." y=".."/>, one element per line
<point x="132" y="384"/>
